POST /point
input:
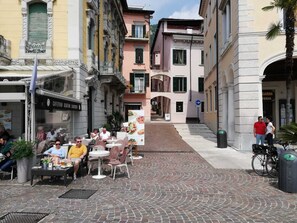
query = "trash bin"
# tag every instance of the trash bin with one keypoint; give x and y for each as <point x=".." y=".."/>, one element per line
<point x="222" y="139"/>
<point x="287" y="177"/>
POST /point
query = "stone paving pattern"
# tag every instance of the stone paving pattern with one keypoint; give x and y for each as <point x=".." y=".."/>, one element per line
<point x="172" y="183"/>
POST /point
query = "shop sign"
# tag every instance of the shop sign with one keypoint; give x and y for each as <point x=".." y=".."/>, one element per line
<point x="268" y="95"/>
<point x="50" y="103"/>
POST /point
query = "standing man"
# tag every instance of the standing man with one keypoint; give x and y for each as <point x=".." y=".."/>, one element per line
<point x="76" y="154"/>
<point x="260" y="130"/>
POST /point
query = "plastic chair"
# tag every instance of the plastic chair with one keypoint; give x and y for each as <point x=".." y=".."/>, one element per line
<point x="119" y="163"/>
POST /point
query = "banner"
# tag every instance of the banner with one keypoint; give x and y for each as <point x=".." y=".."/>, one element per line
<point x="136" y="127"/>
<point x="33" y="77"/>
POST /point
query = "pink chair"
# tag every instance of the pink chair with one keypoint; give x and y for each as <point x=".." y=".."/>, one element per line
<point x="120" y="162"/>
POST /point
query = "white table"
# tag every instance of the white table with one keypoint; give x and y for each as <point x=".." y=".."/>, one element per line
<point x="99" y="154"/>
<point x="111" y="140"/>
<point x="110" y="145"/>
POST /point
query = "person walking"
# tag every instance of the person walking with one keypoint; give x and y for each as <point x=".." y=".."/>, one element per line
<point x="260" y="130"/>
<point x="269" y="131"/>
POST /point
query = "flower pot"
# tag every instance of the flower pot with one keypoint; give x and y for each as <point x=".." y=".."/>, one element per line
<point x="30" y="165"/>
<point x="44" y="166"/>
<point x="22" y="170"/>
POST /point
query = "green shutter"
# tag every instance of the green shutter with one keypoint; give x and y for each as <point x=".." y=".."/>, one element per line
<point x="185" y="57"/>
<point x="175" y="84"/>
<point x="141" y="55"/>
<point x="185" y="84"/>
<point x="144" y="31"/>
<point x="147" y="80"/>
<point x="132" y="81"/>
<point x="37" y="22"/>
<point x="133" y="30"/>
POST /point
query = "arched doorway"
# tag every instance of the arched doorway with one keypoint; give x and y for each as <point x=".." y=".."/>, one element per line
<point x="160" y="108"/>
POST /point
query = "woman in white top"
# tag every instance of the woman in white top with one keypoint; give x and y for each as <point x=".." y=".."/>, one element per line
<point x="269" y="131"/>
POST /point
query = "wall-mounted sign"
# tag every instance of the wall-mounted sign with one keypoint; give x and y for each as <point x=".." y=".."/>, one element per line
<point x="50" y="103"/>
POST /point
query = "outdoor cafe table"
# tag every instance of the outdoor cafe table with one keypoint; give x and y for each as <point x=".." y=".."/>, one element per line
<point x="111" y="140"/>
<point x="110" y="145"/>
<point x="55" y="171"/>
<point x="99" y="154"/>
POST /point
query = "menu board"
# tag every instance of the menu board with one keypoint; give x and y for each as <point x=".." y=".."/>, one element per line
<point x="5" y="118"/>
<point x="136" y="127"/>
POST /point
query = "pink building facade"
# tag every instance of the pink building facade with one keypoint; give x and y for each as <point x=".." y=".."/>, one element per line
<point x="136" y="66"/>
<point x="177" y="75"/>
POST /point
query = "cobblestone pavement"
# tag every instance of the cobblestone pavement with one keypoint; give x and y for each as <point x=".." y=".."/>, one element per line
<point x="172" y="183"/>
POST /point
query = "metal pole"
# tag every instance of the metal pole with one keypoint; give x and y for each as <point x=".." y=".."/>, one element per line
<point x="198" y="114"/>
<point x="217" y="64"/>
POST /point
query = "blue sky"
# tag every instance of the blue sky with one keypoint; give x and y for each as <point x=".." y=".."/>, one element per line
<point x="179" y="9"/>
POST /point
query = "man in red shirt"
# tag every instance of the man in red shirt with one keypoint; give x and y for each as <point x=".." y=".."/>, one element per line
<point x="260" y="130"/>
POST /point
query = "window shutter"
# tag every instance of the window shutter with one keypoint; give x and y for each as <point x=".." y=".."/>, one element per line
<point x="175" y="84"/>
<point x="185" y="56"/>
<point x="141" y="55"/>
<point x="133" y="30"/>
<point x="147" y="80"/>
<point x="144" y="31"/>
<point x="132" y="81"/>
<point x="173" y="57"/>
<point x="185" y="84"/>
<point x="37" y="24"/>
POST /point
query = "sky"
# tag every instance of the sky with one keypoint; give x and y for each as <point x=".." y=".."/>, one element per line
<point x="178" y="9"/>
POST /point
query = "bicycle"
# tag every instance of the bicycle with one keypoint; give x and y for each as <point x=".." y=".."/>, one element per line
<point x="259" y="159"/>
<point x="272" y="164"/>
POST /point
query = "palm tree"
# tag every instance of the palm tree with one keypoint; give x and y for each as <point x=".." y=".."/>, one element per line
<point x="289" y="7"/>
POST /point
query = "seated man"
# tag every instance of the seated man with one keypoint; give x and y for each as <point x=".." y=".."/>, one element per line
<point x="56" y="152"/>
<point x="104" y="135"/>
<point x="95" y="134"/>
<point x="76" y="153"/>
<point x="5" y="147"/>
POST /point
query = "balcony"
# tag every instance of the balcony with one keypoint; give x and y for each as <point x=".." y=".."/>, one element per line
<point x="109" y="75"/>
<point x="5" y="57"/>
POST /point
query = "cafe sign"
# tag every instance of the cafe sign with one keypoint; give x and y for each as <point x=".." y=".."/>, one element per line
<point x="51" y="103"/>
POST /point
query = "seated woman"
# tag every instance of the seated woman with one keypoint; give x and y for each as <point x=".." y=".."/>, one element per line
<point x="5" y="147"/>
<point x="56" y="152"/>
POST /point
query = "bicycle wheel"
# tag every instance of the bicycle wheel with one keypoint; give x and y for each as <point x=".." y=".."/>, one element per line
<point x="272" y="166"/>
<point x="259" y="164"/>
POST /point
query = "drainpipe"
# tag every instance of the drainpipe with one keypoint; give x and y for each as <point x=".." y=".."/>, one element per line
<point x="191" y="67"/>
<point x="98" y="36"/>
<point x="163" y="47"/>
<point x="217" y="64"/>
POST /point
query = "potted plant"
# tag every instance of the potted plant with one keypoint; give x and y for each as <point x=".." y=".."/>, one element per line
<point x="23" y="152"/>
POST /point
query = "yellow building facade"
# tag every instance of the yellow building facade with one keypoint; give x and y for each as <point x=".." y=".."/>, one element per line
<point x="78" y="45"/>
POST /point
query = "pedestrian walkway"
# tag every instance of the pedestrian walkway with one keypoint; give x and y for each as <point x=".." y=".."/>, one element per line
<point x="204" y="142"/>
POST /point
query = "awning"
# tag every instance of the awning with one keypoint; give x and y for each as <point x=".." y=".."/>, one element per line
<point x="48" y="100"/>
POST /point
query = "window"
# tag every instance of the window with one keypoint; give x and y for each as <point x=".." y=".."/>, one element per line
<point x="139" y="55"/>
<point x="202" y="106"/>
<point x="200" y="84"/>
<point x="210" y="100"/>
<point x="179" y="84"/>
<point x="179" y="106"/>
<point x="37" y="23"/>
<point x="226" y="22"/>
<point x="138" y="31"/>
<point x="202" y="57"/>
<point x="37" y="28"/>
<point x="91" y="35"/>
<point x="179" y="57"/>
<point x="139" y="81"/>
